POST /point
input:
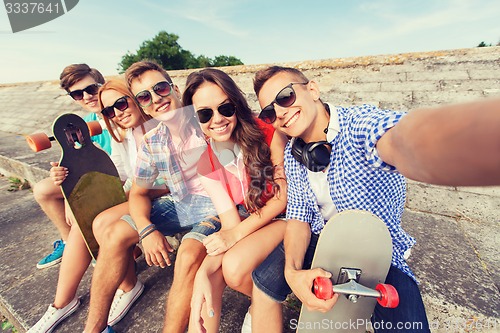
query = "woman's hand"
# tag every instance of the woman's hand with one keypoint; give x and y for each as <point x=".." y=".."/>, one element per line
<point x="58" y="173"/>
<point x="202" y="294"/>
<point x="219" y="242"/>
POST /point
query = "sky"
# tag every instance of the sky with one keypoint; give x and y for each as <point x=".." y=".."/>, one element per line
<point x="100" y="32"/>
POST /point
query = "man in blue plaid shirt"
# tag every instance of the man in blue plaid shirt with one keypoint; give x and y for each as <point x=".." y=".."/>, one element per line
<point x="357" y="158"/>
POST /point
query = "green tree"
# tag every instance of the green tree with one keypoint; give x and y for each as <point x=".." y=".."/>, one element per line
<point x="222" y="60"/>
<point x="165" y="49"/>
<point x="483" y="44"/>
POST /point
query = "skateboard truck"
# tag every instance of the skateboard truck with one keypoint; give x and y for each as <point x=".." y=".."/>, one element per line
<point x="348" y="285"/>
<point x="74" y="136"/>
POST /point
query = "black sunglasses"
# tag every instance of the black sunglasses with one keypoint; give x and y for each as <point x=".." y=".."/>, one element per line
<point x="163" y="89"/>
<point x="227" y="110"/>
<point x="120" y="104"/>
<point x="285" y="98"/>
<point x="91" y="90"/>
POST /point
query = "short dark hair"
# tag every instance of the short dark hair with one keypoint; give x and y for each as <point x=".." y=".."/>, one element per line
<point x="140" y="67"/>
<point x="76" y="72"/>
<point x="263" y="75"/>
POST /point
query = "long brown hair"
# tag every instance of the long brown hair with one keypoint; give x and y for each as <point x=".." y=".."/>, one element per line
<point x="247" y="134"/>
<point x="115" y="128"/>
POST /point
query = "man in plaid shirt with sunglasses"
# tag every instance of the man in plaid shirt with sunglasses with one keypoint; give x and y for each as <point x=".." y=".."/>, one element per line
<point x="363" y="154"/>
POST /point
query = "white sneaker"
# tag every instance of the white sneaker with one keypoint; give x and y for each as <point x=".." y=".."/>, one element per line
<point x="53" y="317"/>
<point x="122" y="302"/>
<point x="247" y="323"/>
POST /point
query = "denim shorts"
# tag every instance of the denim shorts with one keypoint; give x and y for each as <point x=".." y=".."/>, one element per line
<point x="194" y="214"/>
<point x="270" y="275"/>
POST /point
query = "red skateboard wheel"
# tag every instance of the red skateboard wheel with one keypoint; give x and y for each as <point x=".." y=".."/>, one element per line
<point x="38" y="141"/>
<point x="94" y="128"/>
<point x="389" y="297"/>
<point x="323" y="288"/>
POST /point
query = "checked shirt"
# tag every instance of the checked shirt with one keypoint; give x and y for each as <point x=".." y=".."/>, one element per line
<point x="158" y="158"/>
<point x="358" y="178"/>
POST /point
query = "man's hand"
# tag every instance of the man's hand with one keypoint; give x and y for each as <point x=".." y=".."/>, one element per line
<point x="58" y="173"/>
<point x="156" y="249"/>
<point x="301" y="283"/>
<point x="219" y="242"/>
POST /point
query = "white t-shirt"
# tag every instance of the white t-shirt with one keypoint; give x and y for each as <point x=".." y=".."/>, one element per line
<point x="319" y="180"/>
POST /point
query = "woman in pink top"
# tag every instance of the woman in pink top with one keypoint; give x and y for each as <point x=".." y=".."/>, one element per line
<point x="242" y="171"/>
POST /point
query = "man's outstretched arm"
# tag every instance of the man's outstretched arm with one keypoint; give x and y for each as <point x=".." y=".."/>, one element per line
<point x="457" y="145"/>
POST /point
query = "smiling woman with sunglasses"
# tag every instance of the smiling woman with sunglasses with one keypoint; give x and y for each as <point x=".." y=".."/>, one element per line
<point x="127" y="123"/>
<point x="242" y="172"/>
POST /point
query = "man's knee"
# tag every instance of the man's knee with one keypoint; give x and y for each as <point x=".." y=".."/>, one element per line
<point x="117" y="235"/>
<point x="100" y="225"/>
<point x="189" y="256"/>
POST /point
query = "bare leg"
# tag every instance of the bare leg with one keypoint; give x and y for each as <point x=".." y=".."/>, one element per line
<point x="106" y="220"/>
<point x="239" y="262"/>
<point x="115" y="257"/>
<point x="75" y="261"/>
<point x="51" y="200"/>
<point x="267" y="314"/>
<point x="189" y="258"/>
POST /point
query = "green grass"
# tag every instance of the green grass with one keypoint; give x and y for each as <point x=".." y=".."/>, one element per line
<point x="6" y="326"/>
<point x="17" y="184"/>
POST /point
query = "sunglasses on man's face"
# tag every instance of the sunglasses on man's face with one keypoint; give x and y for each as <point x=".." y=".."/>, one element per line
<point x="120" y="104"/>
<point x="227" y="110"/>
<point x="285" y="98"/>
<point x="92" y="89"/>
<point x="163" y="89"/>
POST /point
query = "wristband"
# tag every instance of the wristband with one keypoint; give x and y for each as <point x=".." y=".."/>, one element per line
<point x="146" y="233"/>
<point x="148" y="227"/>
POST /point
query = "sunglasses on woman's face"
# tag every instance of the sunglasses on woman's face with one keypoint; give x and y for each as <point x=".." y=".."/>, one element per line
<point x="92" y="89"/>
<point x="120" y="104"/>
<point x="163" y="89"/>
<point x="285" y="98"/>
<point x="227" y="110"/>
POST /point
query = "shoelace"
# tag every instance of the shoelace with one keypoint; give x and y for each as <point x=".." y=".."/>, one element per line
<point x="50" y="312"/>
<point x="118" y="295"/>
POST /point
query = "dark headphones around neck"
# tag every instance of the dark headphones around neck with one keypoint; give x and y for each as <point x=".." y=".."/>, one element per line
<point x="314" y="155"/>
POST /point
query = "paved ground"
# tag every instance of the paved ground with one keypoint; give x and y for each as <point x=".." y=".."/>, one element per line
<point x="459" y="279"/>
<point x="25" y="291"/>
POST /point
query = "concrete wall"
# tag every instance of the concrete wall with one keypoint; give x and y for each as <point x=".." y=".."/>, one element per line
<point x="401" y="81"/>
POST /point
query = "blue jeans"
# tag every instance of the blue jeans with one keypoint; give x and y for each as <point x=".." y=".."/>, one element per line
<point x="410" y="314"/>
<point x="269" y="277"/>
<point x="194" y="213"/>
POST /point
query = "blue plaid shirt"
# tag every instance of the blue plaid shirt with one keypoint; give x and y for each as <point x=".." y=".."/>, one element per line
<point x="158" y="162"/>
<point x="358" y="178"/>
